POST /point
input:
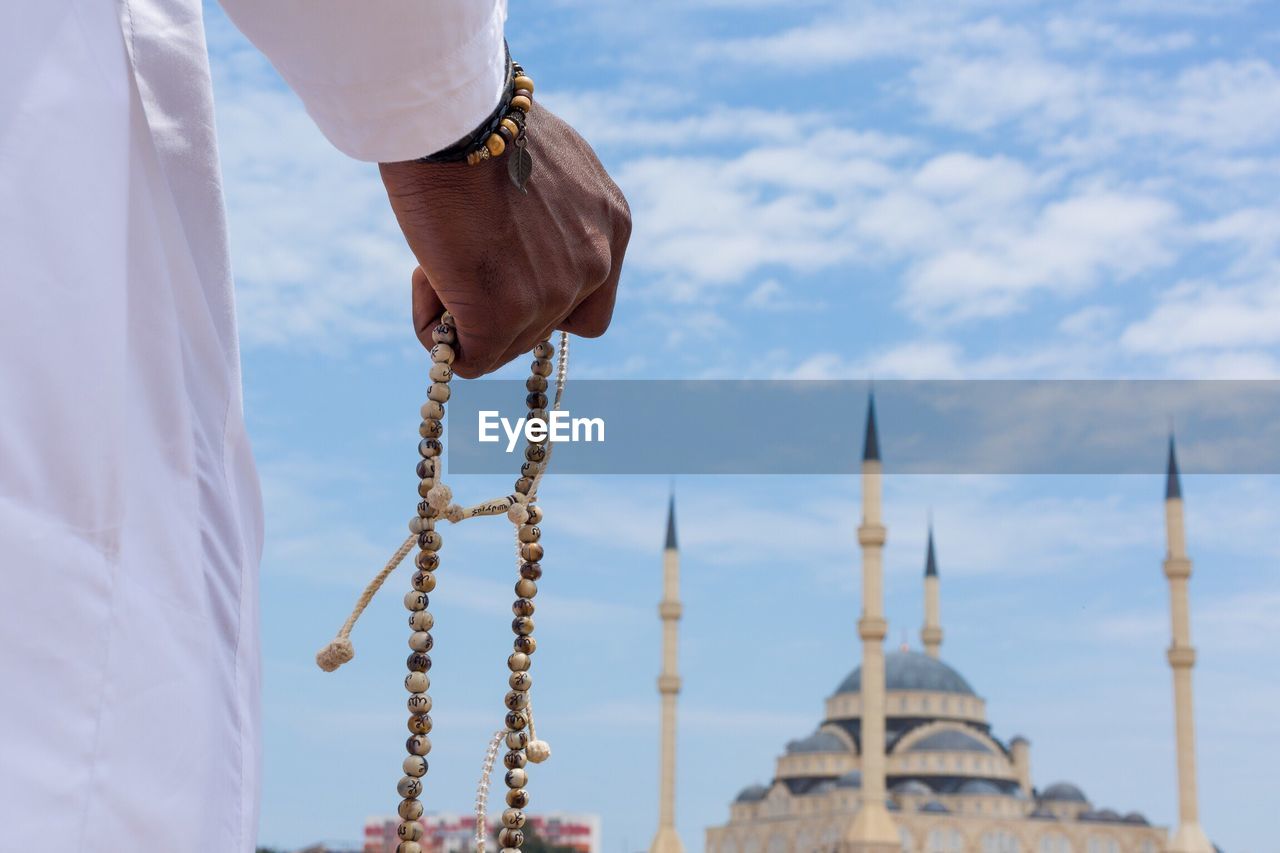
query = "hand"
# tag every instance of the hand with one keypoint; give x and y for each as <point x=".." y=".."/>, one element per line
<point x="512" y="268"/>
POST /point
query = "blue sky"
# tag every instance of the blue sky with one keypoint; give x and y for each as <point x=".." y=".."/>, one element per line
<point x="820" y="190"/>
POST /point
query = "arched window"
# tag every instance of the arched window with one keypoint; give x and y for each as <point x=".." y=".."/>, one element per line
<point x="907" y="840"/>
<point x="1103" y="844"/>
<point x="945" y="841"/>
<point x="1054" y="842"/>
<point x="1000" y="841"/>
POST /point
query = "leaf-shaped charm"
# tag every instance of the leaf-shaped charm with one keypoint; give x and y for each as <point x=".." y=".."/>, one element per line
<point x="520" y="164"/>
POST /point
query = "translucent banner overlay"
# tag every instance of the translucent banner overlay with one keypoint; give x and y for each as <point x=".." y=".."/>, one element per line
<point x="924" y="427"/>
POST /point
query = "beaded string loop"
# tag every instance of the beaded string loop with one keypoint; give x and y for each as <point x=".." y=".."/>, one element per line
<point x="437" y="503"/>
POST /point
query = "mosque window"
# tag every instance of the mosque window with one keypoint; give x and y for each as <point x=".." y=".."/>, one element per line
<point x="1054" y="842"/>
<point x="945" y="841"/>
<point x="1103" y="844"/>
<point x="907" y="840"/>
<point x="1000" y="841"/>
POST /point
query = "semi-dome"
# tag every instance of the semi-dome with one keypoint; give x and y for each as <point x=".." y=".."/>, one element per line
<point x="912" y="786"/>
<point x="751" y="794"/>
<point x="819" y="741"/>
<point x="852" y="779"/>
<point x="979" y="786"/>
<point x="935" y="807"/>
<point x="1064" y="792"/>
<point x="949" y="740"/>
<point x="908" y="670"/>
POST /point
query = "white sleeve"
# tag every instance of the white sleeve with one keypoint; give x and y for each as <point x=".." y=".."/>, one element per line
<point x="385" y="80"/>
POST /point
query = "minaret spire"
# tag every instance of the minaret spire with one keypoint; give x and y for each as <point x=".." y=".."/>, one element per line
<point x="667" y="840"/>
<point x="872" y="830"/>
<point x="1189" y="837"/>
<point x="931" y="633"/>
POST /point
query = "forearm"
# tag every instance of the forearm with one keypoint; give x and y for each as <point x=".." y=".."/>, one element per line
<point x="385" y="80"/>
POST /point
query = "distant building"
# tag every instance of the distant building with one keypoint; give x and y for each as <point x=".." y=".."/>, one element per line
<point x="455" y="833"/>
<point x="905" y="761"/>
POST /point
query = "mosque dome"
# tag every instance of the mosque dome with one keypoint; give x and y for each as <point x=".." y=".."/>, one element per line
<point x="949" y="740"/>
<point x="935" y="807"/>
<point x="751" y="794"/>
<point x="979" y="786"/>
<point x="852" y="779"/>
<point x="908" y="670"/>
<point x="912" y="786"/>
<point x="1064" y="792"/>
<point x="819" y="741"/>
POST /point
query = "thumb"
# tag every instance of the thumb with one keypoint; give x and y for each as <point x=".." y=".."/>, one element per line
<point x="427" y="307"/>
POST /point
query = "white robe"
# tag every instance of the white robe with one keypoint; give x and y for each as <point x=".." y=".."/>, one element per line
<point x="130" y="518"/>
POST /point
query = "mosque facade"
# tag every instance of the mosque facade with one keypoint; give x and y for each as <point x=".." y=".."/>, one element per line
<point x="906" y="760"/>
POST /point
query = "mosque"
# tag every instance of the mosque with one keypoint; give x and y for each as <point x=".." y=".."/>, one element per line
<point x="905" y="759"/>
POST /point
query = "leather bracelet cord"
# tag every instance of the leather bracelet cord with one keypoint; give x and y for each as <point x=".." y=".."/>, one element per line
<point x="503" y="132"/>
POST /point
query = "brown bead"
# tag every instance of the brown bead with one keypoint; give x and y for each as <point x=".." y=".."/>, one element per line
<point x="414" y="765"/>
<point x="530" y="551"/>
<point x="474" y="157"/>
<point x="409" y="786"/>
<point x="429" y="448"/>
<point x="517" y="799"/>
<point x="518" y="662"/>
<point x="512" y="127"/>
<point x="514" y="760"/>
<point x="417" y="682"/>
<point x="419" y="703"/>
<point x="524" y="484"/>
<point x="540" y="367"/>
<point x="516" y="700"/>
<point x="427" y="561"/>
<point x="431" y="428"/>
<point x="439" y="391"/>
<point x="442" y="353"/>
<point x="414" y="600"/>
<point x="513" y="818"/>
<point x="543" y="349"/>
<point x="522" y="607"/>
<point x="408" y="847"/>
<point x="425" y="486"/>
<point x="535" y="383"/>
<point x="517" y="740"/>
<point x="522" y="625"/>
<point x="421" y="641"/>
<point x="507" y="136"/>
<point x="526" y="588"/>
<point x="426" y="469"/>
<point x="418" y="745"/>
<point x="421" y="621"/>
<point x="535" y="452"/>
<point x="535" y="514"/>
<point x="418" y="662"/>
<point x="432" y="409"/>
<point x="410" y="830"/>
<point x="424" y="724"/>
<point x="529" y="533"/>
<point x="443" y="334"/>
<point x="526" y="644"/>
<point x="511" y="838"/>
<point x="530" y="469"/>
<point x="516" y="720"/>
<point x="537" y="414"/>
<point x="521" y="681"/>
<point x="410" y="809"/>
<point x="420" y="724"/>
<point x="495" y="145"/>
<point x="430" y="540"/>
<point x="515" y="778"/>
<point x="440" y="372"/>
<point x="422" y="580"/>
<point x="531" y="571"/>
<point x="524" y="82"/>
<point x="426" y="510"/>
<point x="521" y="102"/>
<point x="536" y="400"/>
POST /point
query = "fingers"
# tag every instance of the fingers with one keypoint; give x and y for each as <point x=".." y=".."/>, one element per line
<point x="427" y="307"/>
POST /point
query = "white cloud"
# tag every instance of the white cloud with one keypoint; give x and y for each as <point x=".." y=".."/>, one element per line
<point x="1198" y="315"/>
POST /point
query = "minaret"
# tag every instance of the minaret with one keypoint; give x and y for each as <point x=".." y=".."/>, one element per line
<point x="667" y="841"/>
<point x="872" y="830"/>
<point x="931" y="633"/>
<point x="1189" y="837"/>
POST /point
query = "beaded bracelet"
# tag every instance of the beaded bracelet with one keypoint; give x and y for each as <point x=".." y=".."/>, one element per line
<point x="436" y="504"/>
<point x="503" y="132"/>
